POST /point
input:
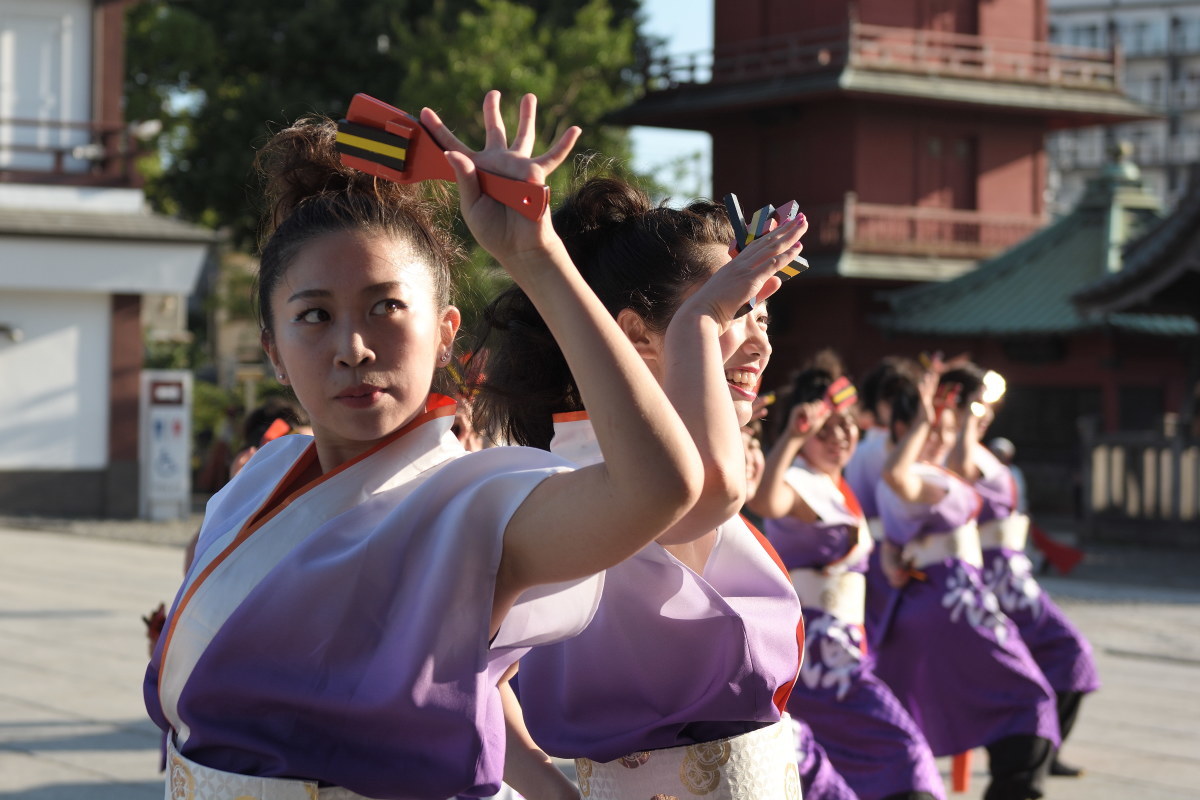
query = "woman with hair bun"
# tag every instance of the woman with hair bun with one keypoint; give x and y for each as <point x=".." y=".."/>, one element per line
<point x="679" y="684"/>
<point x="1060" y="650"/>
<point x="357" y="594"/>
<point x="945" y="648"/>
<point x="815" y="521"/>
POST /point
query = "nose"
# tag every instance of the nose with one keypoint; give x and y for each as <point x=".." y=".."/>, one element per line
<point x="758" y="341"/>
<point x="352" y="349"/>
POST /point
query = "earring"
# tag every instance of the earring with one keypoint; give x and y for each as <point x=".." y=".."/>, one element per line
<point x="445" y="357"/>
<point x="280" y="375"/>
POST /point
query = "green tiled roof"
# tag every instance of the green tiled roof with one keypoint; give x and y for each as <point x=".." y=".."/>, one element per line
<point x="1027" y="289"/>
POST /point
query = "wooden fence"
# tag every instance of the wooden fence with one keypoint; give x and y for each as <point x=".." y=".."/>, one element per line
<point x="1142" y="486"/>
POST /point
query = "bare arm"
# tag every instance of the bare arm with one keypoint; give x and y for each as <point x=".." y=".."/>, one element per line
<point x="694" y="372"/>
<point x="581" y="522"/>
<point x="961" y="459"/>
<point x="526" y="767"/>
<point x="898" y="469"/>
<point x="775" y="498"/>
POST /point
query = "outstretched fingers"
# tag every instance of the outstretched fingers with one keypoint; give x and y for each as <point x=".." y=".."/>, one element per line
<point x="493" y="122"/>
<point x="441" y="134"/>
<point x="553" y="158"/>
<point x="522" y="143"/>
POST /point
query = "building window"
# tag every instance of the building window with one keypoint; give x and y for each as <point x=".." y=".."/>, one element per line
<point x="1138" y="38"/>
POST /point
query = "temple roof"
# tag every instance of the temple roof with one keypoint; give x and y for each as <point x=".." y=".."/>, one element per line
<point x="1162" y="268"/>
<point x="1028" y="289"/>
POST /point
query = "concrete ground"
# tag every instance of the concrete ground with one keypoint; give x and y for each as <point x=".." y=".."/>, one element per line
<point x="73" y="650"/>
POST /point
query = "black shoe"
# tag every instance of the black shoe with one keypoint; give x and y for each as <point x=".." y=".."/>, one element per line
<point x="1061" y="770"/>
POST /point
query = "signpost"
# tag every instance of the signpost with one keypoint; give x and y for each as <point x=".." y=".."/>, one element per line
<point x="165" y="444"/>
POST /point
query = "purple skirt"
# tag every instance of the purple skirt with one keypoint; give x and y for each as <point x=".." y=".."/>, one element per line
<point x="959" y="666"/>
<point x="1064" y="655"/>
<point x="872" y="741"/>
<point x="879" y="593"/>
<point x="819" y="780"/>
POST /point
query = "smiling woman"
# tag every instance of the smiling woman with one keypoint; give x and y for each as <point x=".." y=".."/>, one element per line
<point x="309" y="645"/>
<point x="694" y="647"/>
<point x="814" y="519"/>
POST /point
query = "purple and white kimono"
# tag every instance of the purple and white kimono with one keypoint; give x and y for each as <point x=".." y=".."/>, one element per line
<point x="674" y="660"/>
<point x="863" y="473"/>
<point x="947" y="650"/>
<point x="871" y="740"/>
<point x="1058" y="647"/>
<point x="335" y="631"/>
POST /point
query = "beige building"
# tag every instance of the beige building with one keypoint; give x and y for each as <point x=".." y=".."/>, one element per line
<point x="1157" y="43"/>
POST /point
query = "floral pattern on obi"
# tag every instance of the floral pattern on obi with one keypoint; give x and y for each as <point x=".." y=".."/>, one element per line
<point x="1010" y="578"/>
<point x="757" y="765"/>
<point x="701" y="768"/>
<point x="968" y="599"/>
<point x="833" y="654"/>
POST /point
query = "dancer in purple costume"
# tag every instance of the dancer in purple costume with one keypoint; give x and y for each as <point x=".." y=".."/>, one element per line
<point x="679" y="684"/>
<point x="356" y="595"/>
<point x="1058" y="647"/>
<point x="865" y="469"/>
<point x="817" y="526"/>
<point x="947" y="651"/>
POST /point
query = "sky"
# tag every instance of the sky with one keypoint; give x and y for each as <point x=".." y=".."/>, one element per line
<point x="679" y="159"/>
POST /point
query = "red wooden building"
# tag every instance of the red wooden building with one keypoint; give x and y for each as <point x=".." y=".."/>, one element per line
<point x="912" y="134"/>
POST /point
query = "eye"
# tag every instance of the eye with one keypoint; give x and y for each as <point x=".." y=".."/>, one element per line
<point x="311" y="315"/>
<point x="764" y="321"/>
<point x="387" y="307"/>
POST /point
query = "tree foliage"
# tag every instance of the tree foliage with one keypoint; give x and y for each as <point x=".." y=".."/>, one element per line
<point x="222" y="74"/>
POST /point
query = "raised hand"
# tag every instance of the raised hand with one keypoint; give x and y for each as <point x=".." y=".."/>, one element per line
<point x="750" y="274"/>
<point x="927" y="389"/>
<point x="502" y="231"/>
<point x="808" y="418"/>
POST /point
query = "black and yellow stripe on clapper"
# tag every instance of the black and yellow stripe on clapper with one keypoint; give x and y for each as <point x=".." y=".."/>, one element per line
<point x="372" y="144"/>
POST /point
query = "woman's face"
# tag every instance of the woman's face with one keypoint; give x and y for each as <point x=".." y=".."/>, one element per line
<point x="357" y="334"/>
<point x="745" y="348"/>
<point x="830" y="449"/>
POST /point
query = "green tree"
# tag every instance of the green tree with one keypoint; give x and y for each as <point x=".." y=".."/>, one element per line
<point x="222" y="74"/>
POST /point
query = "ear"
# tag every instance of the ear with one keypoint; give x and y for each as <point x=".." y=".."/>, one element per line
<point x="268" y="346"/>
<point x="448" y="326"/>
<point x="646" y="342"/>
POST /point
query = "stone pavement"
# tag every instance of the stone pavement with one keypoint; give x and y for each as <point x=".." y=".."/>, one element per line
<point x="72" y="654"/>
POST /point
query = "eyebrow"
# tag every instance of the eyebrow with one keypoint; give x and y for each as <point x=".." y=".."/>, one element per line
<point x="307" y="294"/>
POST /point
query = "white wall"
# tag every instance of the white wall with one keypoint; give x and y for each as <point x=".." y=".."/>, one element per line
<point x="54" y="406"/>
<point x="45" y="61"/>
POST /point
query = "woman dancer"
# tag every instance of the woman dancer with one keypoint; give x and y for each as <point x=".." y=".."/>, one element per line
<point x="356" y="595"/>
<point x="679" y="684"/>
<point x="1060" y="650"/>
<point x="817" y="526"/>
<point x="947" y="651"/>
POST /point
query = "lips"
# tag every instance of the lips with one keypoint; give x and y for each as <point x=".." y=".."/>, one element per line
<point x="362" y="396"/>
<point x="743" y="381"/>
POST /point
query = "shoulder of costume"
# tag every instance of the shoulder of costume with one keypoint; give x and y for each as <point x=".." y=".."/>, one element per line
<point x="515" y="456"/>
<point x="267" y="466"/>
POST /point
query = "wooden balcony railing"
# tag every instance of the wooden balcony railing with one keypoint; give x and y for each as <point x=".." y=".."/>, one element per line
<point x="915" y="231"/>
<point x="879" y="47"/>
<point x="79" y="153"/>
